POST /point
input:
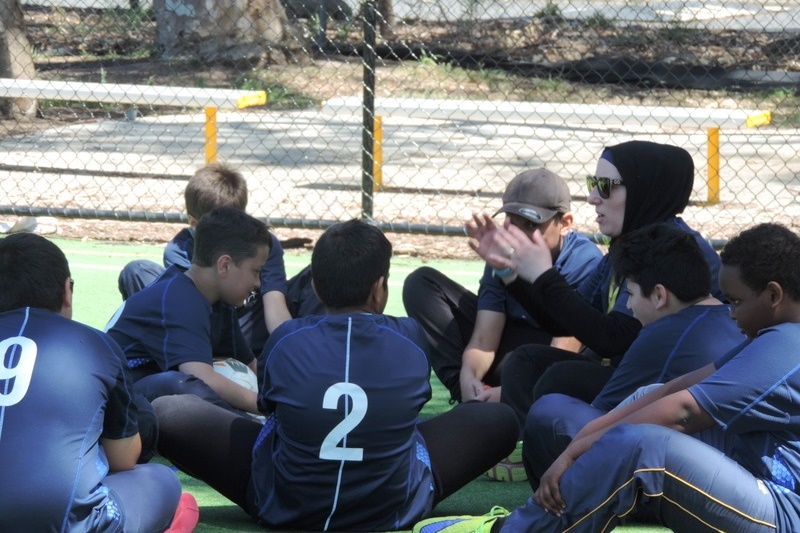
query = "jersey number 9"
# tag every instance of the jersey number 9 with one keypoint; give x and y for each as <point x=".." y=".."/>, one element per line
<point x="21" y="373"/>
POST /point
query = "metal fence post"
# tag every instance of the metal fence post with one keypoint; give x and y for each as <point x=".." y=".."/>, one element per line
<point x="368" y="127"/>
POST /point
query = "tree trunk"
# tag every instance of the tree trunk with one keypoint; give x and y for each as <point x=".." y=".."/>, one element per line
<point x="385" y="10"/>
<point x="15" y="58"/>
<point x="218" y="30"/>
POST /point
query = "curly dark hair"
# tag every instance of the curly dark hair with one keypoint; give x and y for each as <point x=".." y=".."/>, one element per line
<point x="764" y="253"/>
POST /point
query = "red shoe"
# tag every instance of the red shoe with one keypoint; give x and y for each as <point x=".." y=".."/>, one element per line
<point x="186" y="516"/>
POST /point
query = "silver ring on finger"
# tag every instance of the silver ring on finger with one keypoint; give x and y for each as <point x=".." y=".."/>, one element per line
<point x="510" y="252"/>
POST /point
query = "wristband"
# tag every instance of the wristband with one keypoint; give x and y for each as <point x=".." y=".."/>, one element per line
<point x="503" y="272"/>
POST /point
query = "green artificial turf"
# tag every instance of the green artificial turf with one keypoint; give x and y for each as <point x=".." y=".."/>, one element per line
<point x="95" y="267"/>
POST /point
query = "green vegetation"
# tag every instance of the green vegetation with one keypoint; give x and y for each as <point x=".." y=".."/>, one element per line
<point x="599" y="21"/>
<point x="550" y="11"/>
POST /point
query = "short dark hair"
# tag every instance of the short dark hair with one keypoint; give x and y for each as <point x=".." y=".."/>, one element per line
<point x="33" y="272"/>
<point x="764" y="253"/>
<point x="215" y="185"/>
<point x="347" y="261"/>
<point x="662" y="254"/>
<point x="228" y="231"/>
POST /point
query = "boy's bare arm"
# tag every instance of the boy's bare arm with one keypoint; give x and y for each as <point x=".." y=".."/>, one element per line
<point x="276" y="310"/>
<point x="122" y="454"/>
<point x="480" y="352"/>
<point x="231" y="392"/>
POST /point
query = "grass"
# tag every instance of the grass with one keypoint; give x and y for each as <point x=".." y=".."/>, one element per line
<point x="95" y="267"/>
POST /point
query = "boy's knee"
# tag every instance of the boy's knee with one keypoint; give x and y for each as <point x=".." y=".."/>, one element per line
<point x="414" y="286"/>
<point x="639" y="436"/>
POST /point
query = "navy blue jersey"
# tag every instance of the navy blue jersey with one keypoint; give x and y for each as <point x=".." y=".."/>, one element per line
<point x="63" y="386"/>
<point x="180" y="250"/>
<point x="576" y="261"/>
<point x="341" y="449"/>
<point x="670" y="347"/>
<point x="170" y="322"/>
<point x="754" y="397"/>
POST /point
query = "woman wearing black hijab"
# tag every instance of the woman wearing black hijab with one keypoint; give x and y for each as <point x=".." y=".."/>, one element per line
<point x="636" y="183"/>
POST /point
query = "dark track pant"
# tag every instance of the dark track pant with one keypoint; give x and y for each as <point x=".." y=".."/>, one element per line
<point x="447" y="311"/>
<point x="215" y="446"/>
<point x="687" y="484"/>
<point x="173" y="382"/>
<point x="552" y="423"/>
<point x="532" y="371"/>
<point x="148" y="495"/>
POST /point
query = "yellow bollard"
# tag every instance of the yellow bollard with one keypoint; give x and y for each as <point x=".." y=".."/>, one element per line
<point x="377" y="166"/>
<point x="713" y="166"/>
<point x="211" y="135"/>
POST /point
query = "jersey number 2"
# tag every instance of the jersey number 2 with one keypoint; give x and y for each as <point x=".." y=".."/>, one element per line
<point x="21" y="373"/>
<point x="330" y="449"/>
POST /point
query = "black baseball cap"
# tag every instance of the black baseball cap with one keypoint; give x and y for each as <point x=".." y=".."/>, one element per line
<point x="536" y="195"/>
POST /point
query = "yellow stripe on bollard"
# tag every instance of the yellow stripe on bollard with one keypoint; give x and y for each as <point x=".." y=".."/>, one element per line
<point x="713" y="166"/>
<point x="211" y="135"/>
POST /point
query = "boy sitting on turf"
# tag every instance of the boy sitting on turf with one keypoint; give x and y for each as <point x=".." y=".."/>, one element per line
<point x="668" y="285"/>
<point x="741" y="473"/>
<point x="342" y="447"/>
<point x="70" y="438"/>
<point x="166" y="330"/>
<point x="471" y="335"/>
<point x="217" y="185"/>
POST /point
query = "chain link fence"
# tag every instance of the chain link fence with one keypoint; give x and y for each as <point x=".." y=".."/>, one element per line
<point x="414" y="114"/>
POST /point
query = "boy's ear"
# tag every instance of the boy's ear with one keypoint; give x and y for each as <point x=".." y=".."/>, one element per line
<point x="378" y="296"/>
<point x="567" y="220"/>
<point x="314" y="288"/>
<point x="224" y="264"/>
<point x="660" y="296"/>
<point x="66" y="302"/>
<point x="774" y="292"/>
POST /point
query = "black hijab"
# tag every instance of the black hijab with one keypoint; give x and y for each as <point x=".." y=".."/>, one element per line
<point x="658" y="180"/>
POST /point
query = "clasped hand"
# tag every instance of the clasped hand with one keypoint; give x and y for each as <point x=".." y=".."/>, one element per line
<point x="508" y="247"/>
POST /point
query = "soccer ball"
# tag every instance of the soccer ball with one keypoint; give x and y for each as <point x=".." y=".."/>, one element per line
<point x="237" y="372"/>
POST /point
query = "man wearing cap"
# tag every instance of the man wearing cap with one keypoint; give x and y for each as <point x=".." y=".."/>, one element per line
<point x="470" y="335"/>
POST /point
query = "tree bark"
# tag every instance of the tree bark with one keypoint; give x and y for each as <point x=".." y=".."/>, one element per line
<point x="218" y="30"/>
<point x="385" y="10"/>
<point x="16" y="60"/>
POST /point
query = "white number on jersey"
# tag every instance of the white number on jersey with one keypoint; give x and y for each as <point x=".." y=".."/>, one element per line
<point x="330" y="449"/>
<point x="26" y="351"/>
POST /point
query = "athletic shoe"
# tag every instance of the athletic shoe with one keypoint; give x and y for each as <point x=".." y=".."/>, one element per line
<point x="461" y="524"/>
<point x="509" y="469"/>
<point x="186" y="516"/>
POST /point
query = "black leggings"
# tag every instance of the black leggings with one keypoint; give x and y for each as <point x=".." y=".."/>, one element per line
<point x="532" y="371"/>
<point x="215" y="445"/>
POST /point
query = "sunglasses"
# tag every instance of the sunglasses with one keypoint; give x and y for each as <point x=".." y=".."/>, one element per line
<point x="603" y="185"/>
